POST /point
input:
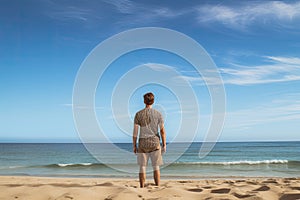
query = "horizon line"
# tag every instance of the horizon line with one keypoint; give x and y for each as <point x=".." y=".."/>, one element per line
<point x="64" y="142"/>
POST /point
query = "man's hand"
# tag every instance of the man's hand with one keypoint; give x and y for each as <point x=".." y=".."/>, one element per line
<point x="134" y="149"/>
<point x="164" y="149"/>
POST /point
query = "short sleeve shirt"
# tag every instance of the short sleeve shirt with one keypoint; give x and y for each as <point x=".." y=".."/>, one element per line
<point x="149" y="121"/>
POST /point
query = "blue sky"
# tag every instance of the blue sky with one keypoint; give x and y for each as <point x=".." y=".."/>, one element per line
<point x="255" y="45"/>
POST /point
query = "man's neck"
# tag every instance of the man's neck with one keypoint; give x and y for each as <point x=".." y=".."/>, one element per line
<point x="148" y="106"/>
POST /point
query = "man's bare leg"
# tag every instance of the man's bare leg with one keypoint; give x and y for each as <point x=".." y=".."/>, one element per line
<point x="142" y="177"/>
<point x="156" y="175"/>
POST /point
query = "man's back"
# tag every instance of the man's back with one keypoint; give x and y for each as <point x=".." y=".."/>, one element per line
<point x="149" y="121"/>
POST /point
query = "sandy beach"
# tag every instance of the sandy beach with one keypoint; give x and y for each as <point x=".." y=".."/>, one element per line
<point x="39" y="188"/>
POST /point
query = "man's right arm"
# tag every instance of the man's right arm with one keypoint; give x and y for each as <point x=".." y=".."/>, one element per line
<point x="163" y="138"/>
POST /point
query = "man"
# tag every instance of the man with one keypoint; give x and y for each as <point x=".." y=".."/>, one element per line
<point x="146" y="123"/>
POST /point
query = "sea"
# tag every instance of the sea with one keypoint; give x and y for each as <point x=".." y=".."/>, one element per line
<point x="227" y="159"/>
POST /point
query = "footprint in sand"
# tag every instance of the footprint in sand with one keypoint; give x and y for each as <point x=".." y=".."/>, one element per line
<point x="156" y="189"/>
<point x="207" y="187"/>
<point x="290" y="196"/>
<point x="184" y="181"/>
<point x="242" y="196"/>
<point x="291" y="179"/>
<point x="262" y="188"/>
<point x="65" y="196"/>
<point x="270" y="181"/>
<point x="295" y="188"/>
<point x="195" y="190"/>
<point x="251" y="182"/>
<point x="229" y="182"/>
<point x="221" y="191"/>
<point x="107" y="184"/>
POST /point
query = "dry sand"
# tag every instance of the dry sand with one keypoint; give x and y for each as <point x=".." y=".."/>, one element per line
<point x="39" y="188"/>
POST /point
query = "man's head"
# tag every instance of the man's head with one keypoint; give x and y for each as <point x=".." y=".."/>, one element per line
<point x="149" y="98"/>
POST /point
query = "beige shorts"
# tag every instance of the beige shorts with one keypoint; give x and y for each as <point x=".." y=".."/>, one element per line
<point x="155" y="156"/>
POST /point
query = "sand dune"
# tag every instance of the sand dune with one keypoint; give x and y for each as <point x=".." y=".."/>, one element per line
<point x="39" y="188"/>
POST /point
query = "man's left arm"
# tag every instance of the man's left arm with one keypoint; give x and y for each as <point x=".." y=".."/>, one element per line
<point x="134" y="137"/>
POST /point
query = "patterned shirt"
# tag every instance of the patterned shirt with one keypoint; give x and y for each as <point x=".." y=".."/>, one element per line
<point x="149" y="121"/>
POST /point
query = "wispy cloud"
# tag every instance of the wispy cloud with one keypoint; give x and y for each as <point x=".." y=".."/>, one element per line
<point x="285" y="109"/>
<point x="287" y="60"/>
<point x="122" y="6"/>
<point x="245" y="14"/>
<point x="116" y="12"/>
<point x="68" y="13"/>
<point x="135" y="12"/>
<point x="159" y="67"/>
<point x="128" y="13"/>
<point x="277" y="69"/>
<point x="238" y="15"/>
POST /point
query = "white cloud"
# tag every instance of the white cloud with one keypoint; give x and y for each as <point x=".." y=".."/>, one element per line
<point x="285" y="109"/>
<point x="158" y="67"/>
<point x="199" y="80"/>
<point x="287" y="60"/>
<point x="280" y="69"/>
<point x="238" y="15"/>
<point x="139" y="13"/>
<point x="277" y="69"/>
<point x="123" y="6"/>
<point x="67" y="13"/>
<point x="242" y="15"/>
<point x="233" y="15"/>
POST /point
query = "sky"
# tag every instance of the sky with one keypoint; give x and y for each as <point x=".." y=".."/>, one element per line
<point x="254" y="44"/>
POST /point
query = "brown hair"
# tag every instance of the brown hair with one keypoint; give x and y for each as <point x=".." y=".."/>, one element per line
<point x="149" y="98"/>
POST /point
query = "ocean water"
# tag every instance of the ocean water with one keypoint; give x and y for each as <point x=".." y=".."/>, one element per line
<point x="227" y="159"/>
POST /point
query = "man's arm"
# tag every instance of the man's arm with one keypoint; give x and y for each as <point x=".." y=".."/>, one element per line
<point x="134" y="137"/>
<point x="163" y="138"/>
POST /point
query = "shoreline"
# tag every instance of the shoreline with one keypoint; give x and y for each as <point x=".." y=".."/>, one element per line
<point x="36" y="188"/>
<point x="149" y="175"/>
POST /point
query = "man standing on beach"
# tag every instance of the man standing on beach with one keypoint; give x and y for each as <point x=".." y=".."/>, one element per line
<point x="146" y="123"/>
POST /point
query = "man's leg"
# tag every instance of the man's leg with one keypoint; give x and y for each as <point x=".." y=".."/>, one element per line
<point x="156" y="175"/>
<point x="142" y="176"/>
<point x="156" y="160"/>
